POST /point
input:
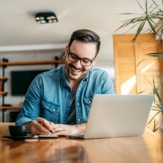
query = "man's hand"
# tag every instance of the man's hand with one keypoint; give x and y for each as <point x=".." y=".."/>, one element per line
<point x="40" y="126"/>
<point x="60" y="129"/>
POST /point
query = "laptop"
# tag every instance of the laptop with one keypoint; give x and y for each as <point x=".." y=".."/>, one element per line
<point x="117" y="116"/>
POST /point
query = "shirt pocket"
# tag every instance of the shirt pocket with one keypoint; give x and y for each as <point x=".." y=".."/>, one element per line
<point x="50" y="111"/>
<point x="87" y="103"/>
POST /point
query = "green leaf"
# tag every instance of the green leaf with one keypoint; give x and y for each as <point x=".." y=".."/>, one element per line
<point x="153" y="15"/>
<point x="153" y="117"/>
<point x="140" y="5"/>
<point x="139" y="30"/>
<point x="155" y="128"/>
<point x="152" y="27"/>
<point x="155" y="109"/>
<point x="140" y="62"/>
<point x="158" y="96"/>
<point x="156" y="54"/>
<point x="140" y="92"/>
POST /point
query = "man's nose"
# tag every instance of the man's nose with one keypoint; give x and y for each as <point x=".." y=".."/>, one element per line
<point x="77" y="64"/>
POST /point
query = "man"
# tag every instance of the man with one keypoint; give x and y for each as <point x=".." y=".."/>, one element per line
<point x="59" y="100"/>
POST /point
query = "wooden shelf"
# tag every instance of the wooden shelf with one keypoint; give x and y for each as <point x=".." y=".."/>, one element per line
<point x="10" y="107"/>
<point x="3" y="78"/>
<point x="20" y="63"/>
<point x="32" y="63"/>
<point x="3" y="93"/>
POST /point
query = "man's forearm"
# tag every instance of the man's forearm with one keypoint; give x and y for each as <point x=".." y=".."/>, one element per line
<point x="81" y="128"/>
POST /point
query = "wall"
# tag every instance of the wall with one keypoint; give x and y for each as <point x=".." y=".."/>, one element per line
<point x="105" y="62"/>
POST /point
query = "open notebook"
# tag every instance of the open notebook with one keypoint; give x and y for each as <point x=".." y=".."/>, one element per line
<point x="117" y="116"/>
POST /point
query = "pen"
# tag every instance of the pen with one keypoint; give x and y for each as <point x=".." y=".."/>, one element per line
<point x="51" y="131"/>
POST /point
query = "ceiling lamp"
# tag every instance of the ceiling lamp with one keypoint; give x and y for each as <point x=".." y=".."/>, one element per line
<point x="46" y="17"/>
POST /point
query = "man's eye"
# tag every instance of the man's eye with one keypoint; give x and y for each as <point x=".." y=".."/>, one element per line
<point x="73" y="56"/>
<point x="85" y="60"/>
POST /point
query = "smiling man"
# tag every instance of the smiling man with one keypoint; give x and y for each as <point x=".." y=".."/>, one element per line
<point x="59" y="100"/>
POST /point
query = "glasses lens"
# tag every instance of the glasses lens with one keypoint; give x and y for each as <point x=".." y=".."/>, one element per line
<point x="85" y="62"/>
<point x="74" y="58"/>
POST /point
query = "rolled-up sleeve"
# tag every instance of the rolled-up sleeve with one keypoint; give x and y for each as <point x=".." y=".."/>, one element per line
<point x="107" y="85"/>
<point x="31" y="106"/>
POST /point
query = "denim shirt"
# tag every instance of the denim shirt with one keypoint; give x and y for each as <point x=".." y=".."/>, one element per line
<point x="49" y="96"/>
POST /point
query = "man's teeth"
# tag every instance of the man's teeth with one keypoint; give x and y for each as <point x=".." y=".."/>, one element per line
<point x="75" y="69"/>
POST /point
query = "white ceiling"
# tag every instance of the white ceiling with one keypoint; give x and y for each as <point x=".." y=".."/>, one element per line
<point x="18" y="29"/>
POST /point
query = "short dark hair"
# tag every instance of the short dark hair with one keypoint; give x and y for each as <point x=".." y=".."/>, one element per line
<point x="85" y="35"/>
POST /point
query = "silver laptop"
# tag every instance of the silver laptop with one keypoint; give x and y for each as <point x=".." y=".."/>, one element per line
<point x="117" y="116"/>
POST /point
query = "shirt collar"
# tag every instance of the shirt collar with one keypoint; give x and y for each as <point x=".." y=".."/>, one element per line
<point x="63" y="77"/>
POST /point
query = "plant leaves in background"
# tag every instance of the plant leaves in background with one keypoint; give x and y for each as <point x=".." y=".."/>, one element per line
<point x="152" y="15"/>
<point x="156" y="54"/>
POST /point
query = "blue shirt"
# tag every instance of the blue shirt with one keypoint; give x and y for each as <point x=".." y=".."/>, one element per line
<point x="49" y="96"/>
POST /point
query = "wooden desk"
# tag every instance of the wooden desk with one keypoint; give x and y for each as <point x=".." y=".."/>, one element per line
<point x="145" y="149"/>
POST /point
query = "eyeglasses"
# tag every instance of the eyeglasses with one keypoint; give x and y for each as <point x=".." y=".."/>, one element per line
<point x="83" y="61"/>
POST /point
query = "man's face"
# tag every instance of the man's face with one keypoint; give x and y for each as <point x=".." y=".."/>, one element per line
<point x="75" y="70"/>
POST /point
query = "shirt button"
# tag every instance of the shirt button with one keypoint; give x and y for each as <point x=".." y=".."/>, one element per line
<point x="79" y="120"/>
<point x="78" y="104"/>
<point x="89" y="101"/>
<point x="53" y="110"/>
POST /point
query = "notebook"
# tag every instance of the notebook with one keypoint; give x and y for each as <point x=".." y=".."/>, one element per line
<point x="117" y="116"/>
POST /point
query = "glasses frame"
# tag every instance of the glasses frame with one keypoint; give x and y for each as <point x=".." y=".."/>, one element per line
<point x="78" y="58"/>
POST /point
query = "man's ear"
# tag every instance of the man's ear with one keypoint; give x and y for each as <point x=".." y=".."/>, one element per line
<point x="95" y="60"/>
<point x="66" y="49"/>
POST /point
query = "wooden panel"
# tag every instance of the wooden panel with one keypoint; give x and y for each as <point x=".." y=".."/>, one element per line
<point x="125" y="67"/>
<point x="150" y="68"/>
<point x="128" y="37"/>
<point x="127" y="57"/>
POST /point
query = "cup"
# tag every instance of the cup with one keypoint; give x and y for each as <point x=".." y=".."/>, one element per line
<point x="18" y="130"/>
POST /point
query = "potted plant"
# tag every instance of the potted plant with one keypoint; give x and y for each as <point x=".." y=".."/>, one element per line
<point x="152" y="17"/>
